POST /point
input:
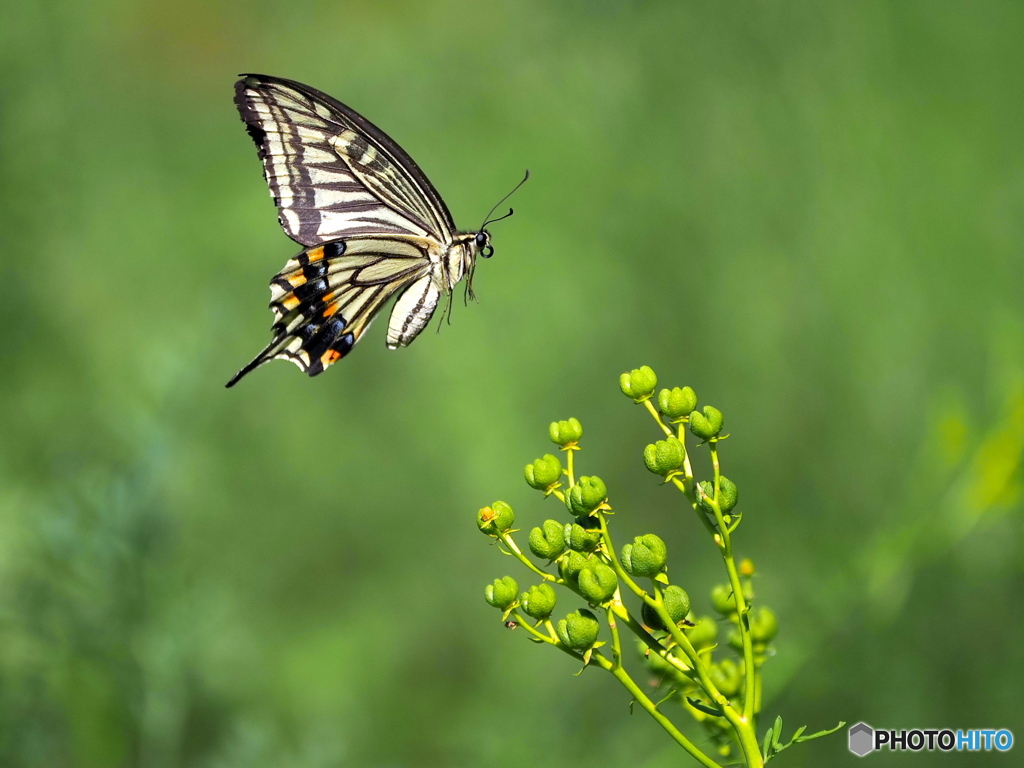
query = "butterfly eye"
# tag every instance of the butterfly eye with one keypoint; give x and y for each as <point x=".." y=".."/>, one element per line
<point x="481" y="239"/>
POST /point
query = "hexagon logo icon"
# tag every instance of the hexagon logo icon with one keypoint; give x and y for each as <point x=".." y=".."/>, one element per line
<point x="862" y="739"/>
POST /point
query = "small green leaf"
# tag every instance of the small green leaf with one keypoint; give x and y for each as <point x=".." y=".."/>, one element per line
<point x="819" y="734"/>
<point x="766" y="748"/>
<point x="671" y="692"/>
<point x="698" y="704"/>
<point x="777" y="732"/>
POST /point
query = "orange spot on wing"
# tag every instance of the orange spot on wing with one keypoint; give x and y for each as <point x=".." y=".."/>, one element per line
<point x="296" y="280"/>
<point x="290" y="302"/>
<point x="330" y="356"/>
<point x="330" y="309"/>
<point x="315" y="254"/>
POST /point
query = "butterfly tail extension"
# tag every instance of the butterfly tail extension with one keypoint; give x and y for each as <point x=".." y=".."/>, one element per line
<point x="260" y="359"/>
<point x="313" y="348"/>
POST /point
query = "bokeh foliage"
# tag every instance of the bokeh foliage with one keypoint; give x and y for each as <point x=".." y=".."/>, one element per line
<point x="815" y="210"/>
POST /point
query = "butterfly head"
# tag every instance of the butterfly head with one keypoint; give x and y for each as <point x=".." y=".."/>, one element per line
<point x="475" y="244"/>
<point x="482" y="239"/>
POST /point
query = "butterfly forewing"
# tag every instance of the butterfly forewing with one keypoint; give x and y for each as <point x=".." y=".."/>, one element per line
<point x="331" y="172"/>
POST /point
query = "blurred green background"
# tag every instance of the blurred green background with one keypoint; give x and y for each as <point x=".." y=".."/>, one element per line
<point x="811" y="212"/>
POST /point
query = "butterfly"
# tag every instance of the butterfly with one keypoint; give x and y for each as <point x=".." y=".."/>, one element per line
<point x="371" y="225"/>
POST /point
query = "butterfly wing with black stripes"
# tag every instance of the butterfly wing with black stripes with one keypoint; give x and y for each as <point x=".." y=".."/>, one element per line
<point x="331" y="172"/>
<point x="373" y="225"/>
<point x="324" y="299"/>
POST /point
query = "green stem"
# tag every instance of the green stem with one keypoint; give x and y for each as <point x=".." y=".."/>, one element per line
<point x="646" y="637"/>
<point x="692" y="496"/>
<point x="742" y="725"/>
<point x="569" y="465"/>
<point x="506" y="539"/>
<point x="641" y="698"/>
<point x="620" y="674"/>
<point x="551" y="629"/>
<point x="742" y="608"/>
<point x="550" y="640"/>
<point x="616" y="641"/>
<point x="687" y="469"/>
<point x="657" y="417"/>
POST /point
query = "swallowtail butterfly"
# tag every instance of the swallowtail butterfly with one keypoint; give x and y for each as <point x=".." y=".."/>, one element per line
<point x="371" y="224"/>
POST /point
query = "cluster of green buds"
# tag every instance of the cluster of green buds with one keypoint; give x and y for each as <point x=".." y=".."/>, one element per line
<point x="630" y="590"/>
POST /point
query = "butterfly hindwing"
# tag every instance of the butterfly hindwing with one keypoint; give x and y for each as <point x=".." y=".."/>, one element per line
<point x="331" y="172"/>
<point x="325" y="298"/>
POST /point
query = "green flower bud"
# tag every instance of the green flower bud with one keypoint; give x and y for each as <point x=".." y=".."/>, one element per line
<point x="764" y="626"/>
<point x="578" y="630"/>
<point x="645" y="557"/>
<point x="704" y="634"/>
<point x="539" y="601"/>
<point x="705" y="495"/>
<point x="726" y="677"/>
<point x="597" y="582"/>
<point x="495" y="519"/>
<point x="586" y="496"/>
<point x="677" y="603"/>
<point x="569" y="566"/>
<point x="664" y="456"/>
<point x="723" y="600"/>
<point x="565" y="433"/>
<point x="706" y="425"/>
<point x="544" y="472"/>
<point x="639" y="383"/>
<point x="582" y="539"/>
<point x="502" y="593"/>
<point x="548" y="541"/>
<point x="728" y="494"/>
<point x="677" y="403"/>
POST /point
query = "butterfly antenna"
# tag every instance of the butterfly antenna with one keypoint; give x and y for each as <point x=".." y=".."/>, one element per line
<point x="488" y="219"/>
